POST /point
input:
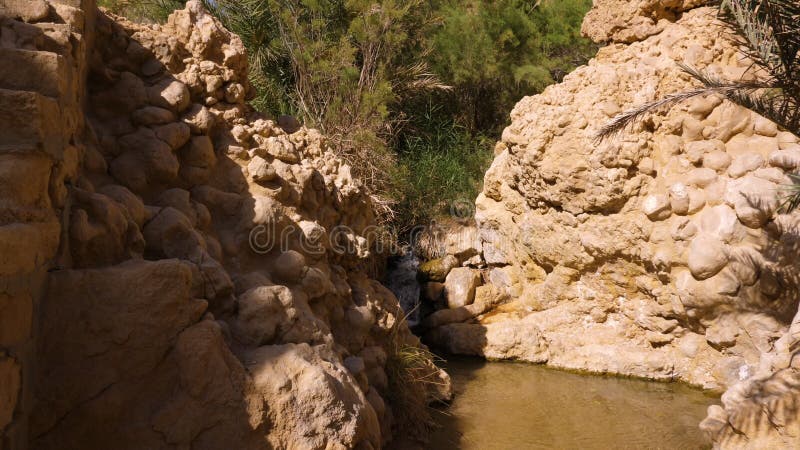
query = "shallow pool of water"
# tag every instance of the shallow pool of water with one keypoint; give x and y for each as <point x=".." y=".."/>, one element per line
<point x="523" y="406"/>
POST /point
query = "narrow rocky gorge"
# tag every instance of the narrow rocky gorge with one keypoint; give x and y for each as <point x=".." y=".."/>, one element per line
<point x="170" y="273"/>
<point x="179" y="271"/>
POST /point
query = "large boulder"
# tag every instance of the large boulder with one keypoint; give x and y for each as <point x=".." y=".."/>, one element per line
<point x="460" y="285"/>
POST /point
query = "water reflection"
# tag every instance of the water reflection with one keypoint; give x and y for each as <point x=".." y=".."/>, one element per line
<point x="522" y="406"/>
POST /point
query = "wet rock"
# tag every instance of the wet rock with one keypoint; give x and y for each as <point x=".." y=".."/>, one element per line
<point x="437" y="269"/>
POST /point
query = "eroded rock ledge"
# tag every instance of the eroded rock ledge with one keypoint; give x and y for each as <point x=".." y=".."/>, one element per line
<point x="659" y="254"/>
<point x="168" y="281"/>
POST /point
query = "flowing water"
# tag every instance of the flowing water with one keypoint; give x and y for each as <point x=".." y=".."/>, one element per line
<point x="401" y="279"/>
<point x="521" y="406"/>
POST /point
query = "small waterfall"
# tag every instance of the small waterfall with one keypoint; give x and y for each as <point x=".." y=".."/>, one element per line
<point x="401" y="279"/>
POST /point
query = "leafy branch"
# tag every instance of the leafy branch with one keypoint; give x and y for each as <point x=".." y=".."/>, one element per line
<point x="768" y="31"/>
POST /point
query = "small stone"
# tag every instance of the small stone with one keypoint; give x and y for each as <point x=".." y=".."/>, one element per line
<point x="172" y="95"/>
<point x="786" y="159"/>
<point x="175" y="134"/>
<point x="669" y="144"/>
<point x="692" y="129"/>
<point x="132" y="203"/>
<point x="290" y="266"/>
<point x="354" y="364"/>
<point x="715" y="192"/>
<point x="703" y="106"/>
<point x="772" y="174"/>
<point x="656" y="207"/>
<point x="151" y="67"/>
<point x="743" y="164"/>
<point x="360" y="318"/>
<point x="27" y="10"/>
<point x="437" y="269"/>
<point x="316" y="284"/>
<point x="707" y="256"/>
<point x="152" y="115"/>
<point x="679" y="198"/>
<point x="720" y="221"/>
<point x="683" y="230"/>
<point x="722" y="334"/>
<point x="260" y="170"/>
<point x="260" y="313"/>
<point x="647" y="166"/>
<point x="696" y="151"/>
<point x="697" y="200"/>
<point x="754" y="200"/>
<point x="282" y="149"/>
<point x="199" y="119"/>
<point x="234" y="93"/>
<point x="609" y="108"/>
<point x="765" y="127"/>
<point x="742" y="145"/>
<point x="718" y="160"/>
<point x="200" y="153"/>
<point x="658" y="339"/>
<point x="701" y="177"/>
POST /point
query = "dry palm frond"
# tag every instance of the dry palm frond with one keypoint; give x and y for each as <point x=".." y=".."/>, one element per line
<point x="791" y="199"/>
<point x="630" y="117"/>
<point x="415" y="78"/>
<point x="769" y="32"/>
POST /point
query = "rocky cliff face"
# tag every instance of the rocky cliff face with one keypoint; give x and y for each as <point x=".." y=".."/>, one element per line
<point x="177" y="270"/>
<point x="658" y="254"/>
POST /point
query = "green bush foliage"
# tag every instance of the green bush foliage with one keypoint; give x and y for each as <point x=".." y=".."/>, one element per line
<point x="495" y="52"/>
<point x="441" y="163"/>
<point x="411" y="92"/>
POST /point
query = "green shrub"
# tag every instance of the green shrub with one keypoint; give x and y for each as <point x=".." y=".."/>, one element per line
<point x="442" y="162"/>
<point x="495" y="52"/>
<point x="410" y="92"/>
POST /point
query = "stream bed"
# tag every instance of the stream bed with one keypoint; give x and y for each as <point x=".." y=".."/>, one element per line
<point x="503" y="405"/>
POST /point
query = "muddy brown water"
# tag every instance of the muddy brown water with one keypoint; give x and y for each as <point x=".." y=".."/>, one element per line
<point x="502" y="405"/>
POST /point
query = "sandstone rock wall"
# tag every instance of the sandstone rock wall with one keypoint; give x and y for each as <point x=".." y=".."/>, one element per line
<point x="660" y="253"/>
<point x="43" y="55"/>
<point x="178" y="271"/>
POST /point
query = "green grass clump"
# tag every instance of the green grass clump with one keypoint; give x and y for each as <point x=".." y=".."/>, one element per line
<point x="413" y="379"/>
<point x="443" y="163"/>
